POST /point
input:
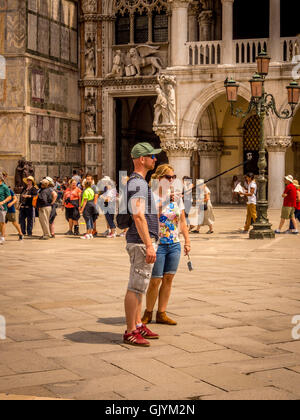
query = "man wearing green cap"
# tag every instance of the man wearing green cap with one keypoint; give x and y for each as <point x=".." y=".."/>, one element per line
<point x="141" y="237"/>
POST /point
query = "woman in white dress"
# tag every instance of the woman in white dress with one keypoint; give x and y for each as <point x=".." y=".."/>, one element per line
<point x="209" y="218"/>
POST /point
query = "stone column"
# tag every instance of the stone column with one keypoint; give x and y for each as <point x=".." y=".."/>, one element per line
<point x="210" y="153"/>
<point x="179" y="32"/>
<point x="227" y="30"/>
<point x="193" y="23"/>
<point x="275" y="45"/>
<point x="277" y="147"/>
<point x="206" y="25"/>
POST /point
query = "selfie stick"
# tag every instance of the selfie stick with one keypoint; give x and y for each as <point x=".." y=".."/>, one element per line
<point x="249" y="158"/>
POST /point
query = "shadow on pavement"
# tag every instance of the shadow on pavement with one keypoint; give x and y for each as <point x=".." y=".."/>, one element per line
<point x="112" y="321"/>
<point x="93" y="337"/>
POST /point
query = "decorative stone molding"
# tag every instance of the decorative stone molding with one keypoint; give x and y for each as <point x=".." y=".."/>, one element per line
<point x="97" y="18"/>
<point x="137" y="81"/>
<point x="138" y="6"/>
<point x="165" y="131"/>
<point x="179" y="147"/>
<point x="210" y="147"/>
<point x="278" y="144"/>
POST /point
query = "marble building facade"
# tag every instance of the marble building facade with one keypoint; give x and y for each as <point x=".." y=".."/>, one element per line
<point x="39" y="101"/>
<point x="82" y="85"/>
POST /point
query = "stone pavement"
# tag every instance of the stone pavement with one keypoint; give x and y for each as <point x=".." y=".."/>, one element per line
<point x="63" y="304"/>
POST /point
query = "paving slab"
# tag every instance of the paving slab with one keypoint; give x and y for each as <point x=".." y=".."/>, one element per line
<point x="234" y="311"/>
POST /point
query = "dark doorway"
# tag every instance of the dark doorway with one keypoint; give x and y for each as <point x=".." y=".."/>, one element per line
<point x="251" y="19"/>
<point x="134" y="121"/>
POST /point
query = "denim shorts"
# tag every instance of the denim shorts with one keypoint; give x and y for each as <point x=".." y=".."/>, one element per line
<point x="167" y="260"/>
<point x="89" y="223"/>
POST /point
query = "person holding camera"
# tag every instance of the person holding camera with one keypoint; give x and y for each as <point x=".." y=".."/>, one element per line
<point x="172" y="220"/>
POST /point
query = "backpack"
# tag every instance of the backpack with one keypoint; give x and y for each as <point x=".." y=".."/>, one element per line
<point x="124" y="221"/>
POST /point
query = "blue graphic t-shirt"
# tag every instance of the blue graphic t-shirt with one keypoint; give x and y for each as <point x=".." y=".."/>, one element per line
<point x="169" y="222"/>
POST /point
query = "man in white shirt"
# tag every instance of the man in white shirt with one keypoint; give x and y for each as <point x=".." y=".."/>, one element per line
<point x="251" y="205"/>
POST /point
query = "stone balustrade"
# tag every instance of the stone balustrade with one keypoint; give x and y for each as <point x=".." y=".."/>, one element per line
<point x="245" y="51"/>
<point x="205" y="52"/>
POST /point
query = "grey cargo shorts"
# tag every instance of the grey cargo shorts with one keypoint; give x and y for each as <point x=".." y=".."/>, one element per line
<point x="140" y="271"/>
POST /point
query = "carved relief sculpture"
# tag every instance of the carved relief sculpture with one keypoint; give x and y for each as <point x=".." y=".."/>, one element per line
<point x="89" y="6"/>
<point x="118" y="66"/>
<point x="23" y="170"/>
<point x="90" y="115"/>
<point x="161" y="111"/>
<point x="142" y="56"/>
<point x="90" y="58"/>
<point x="165" y="106"/>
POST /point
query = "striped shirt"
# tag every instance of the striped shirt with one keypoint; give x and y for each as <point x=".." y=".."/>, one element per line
<point x="138" y="188"/>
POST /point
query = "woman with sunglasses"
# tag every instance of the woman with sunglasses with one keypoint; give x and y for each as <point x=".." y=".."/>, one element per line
<point x="172" y="220"/>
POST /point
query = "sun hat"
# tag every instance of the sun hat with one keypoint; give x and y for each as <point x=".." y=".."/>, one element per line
<point x="29" y="178"/>
<point x="296" y="183"/>
<point x="144" y="149"/>
<point x="50" y="180"/>
<point x="44" y="181"/>
<point x="289" y="178"/>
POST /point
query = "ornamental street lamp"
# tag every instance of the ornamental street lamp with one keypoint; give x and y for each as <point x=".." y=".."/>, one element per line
<point x="262" y="104"/>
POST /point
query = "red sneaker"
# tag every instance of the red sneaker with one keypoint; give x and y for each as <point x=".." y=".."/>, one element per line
<point x="146" y="333"/>
<point x="135" y="339"/>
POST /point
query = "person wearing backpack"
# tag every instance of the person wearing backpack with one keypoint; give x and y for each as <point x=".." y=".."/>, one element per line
<point x="142" y="238"/>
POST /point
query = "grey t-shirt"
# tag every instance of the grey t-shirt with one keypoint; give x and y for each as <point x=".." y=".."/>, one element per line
<point x="138" y="188"/>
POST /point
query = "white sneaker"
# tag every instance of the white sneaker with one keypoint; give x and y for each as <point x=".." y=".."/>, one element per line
<point x="111" y="235"/>
<point x="91" y="236"/>
<point x="85" y="237"/>
<point x="2" y="240"/>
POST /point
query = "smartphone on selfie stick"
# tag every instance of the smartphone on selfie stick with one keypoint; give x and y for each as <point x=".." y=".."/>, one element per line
<point x="190" y="264"/>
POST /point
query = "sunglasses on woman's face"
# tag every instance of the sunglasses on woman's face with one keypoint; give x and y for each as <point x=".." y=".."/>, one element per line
<point x="170" y="177"/>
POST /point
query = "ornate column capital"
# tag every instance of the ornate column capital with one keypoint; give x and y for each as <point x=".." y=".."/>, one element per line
<point x="206" y="17"/>
<point x="210" y="148"/>
<point x="179" y="147"/>
<point x="278" y="143"/>
<point x="176" y="4"/>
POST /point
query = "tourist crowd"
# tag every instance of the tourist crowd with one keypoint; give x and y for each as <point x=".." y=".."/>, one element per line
<point x="151" y="215"/>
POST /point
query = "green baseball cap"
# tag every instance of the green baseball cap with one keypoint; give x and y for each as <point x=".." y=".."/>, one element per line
<point x="144" y="149"/>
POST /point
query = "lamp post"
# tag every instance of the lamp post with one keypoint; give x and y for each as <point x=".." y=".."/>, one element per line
<point x="262" y="103"/>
